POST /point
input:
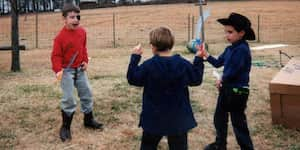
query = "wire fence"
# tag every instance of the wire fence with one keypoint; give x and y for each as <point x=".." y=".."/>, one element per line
<point x="26" y="6"/>
<point x="125" y="29"/>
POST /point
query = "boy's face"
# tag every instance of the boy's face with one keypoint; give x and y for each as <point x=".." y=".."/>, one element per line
<point x="72" y="20"/>
<point x="232" y="35"/>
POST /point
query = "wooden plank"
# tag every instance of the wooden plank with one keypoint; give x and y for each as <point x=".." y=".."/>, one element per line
<point x="6" y="48"/>
<point x="291" y="111"/>
<point x="276" y="108"/>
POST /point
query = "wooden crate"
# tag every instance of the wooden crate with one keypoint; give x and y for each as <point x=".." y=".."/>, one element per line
<point x="285" y="95"/>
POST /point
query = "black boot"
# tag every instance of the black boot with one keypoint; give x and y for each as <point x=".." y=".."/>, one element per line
<point x="65" y="132"/>
<point x="215" y="146"/>
<point x="89" y="121"/>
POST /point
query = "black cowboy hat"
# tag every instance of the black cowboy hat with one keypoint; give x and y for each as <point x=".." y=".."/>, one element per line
<point x="239" y="22"/>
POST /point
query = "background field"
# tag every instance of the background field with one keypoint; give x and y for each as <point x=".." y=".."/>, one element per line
<point x="29" y="101"/>
<point x="278" y="22"/>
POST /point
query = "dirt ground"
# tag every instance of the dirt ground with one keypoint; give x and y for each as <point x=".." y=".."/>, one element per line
<point x="29" y="100"/>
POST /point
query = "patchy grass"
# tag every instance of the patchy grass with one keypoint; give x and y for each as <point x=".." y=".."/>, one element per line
<point x="30" y="100"/>
<point x="30" y="111"/>
<point x="29" y="90"/>
<point x="7" y="138"/>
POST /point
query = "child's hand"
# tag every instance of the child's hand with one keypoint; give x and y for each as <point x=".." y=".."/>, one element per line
<point x="137" y="50"/>
<point x="201" y="52"/>
<point x="84" y="65"/>
<point x="59" y="75"/>
<point x="218" y="84"/>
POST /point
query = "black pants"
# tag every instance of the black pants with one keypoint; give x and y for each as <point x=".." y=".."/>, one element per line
<point x="234" y="104"/>
<point x="175" y="142"/>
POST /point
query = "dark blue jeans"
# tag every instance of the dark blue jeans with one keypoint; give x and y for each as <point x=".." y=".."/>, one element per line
<point x="234" y="104"/>
<point x="175" y="142"/>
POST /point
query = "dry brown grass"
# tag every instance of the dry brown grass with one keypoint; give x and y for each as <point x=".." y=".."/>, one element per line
<point x="30" y="117"/>
<point x="29" y="100"/>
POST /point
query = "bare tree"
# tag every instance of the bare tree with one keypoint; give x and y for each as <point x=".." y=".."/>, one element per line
<point x="15" y="65"/>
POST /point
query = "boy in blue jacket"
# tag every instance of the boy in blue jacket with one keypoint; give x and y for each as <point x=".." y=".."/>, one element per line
<point x="166" y="109"/>
<point x="234" y="84"/>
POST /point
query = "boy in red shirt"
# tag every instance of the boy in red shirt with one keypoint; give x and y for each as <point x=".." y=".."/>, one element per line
<point x="69" y="60"/>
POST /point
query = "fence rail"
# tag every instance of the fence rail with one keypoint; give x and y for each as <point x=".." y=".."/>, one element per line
<point x="29" y="6"/>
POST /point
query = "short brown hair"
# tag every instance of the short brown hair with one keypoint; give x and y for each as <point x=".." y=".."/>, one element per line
<point x="162" y="39"/>
<point x="69" y="7"/>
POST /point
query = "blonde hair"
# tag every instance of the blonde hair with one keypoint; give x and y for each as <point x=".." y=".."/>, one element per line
<point x="162" y="39"/>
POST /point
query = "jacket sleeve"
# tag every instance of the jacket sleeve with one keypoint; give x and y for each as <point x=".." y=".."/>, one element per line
<point x="57" y="56"/>
<point x="216" y="62"/>
<point x="195" y="72"/>
<point x="136" y="74"/>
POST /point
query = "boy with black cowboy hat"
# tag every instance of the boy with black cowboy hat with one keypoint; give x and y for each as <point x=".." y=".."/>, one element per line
<point x="234" y="84"/>
<point x="69" y="61"/>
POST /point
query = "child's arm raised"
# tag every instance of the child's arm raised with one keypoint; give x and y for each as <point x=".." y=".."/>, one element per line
<point x="195" y="72"/>
<point x="135" y="73"/>
<point x="205" y="55"/>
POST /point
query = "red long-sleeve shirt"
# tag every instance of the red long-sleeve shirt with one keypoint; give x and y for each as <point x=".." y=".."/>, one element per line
<point x="66" y="43"/>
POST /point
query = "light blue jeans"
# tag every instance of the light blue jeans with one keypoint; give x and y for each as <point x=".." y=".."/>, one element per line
<point x="75" y="78"/>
